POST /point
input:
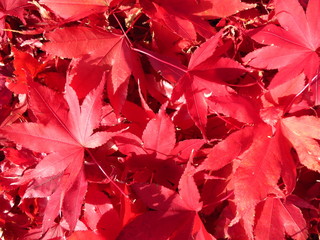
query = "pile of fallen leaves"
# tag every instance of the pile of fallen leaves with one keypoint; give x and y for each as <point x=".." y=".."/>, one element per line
<point x="159" y="119"/>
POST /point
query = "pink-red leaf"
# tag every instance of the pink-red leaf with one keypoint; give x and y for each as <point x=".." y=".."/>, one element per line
<point x="292" y="48"/>
<point x="257" y="175"/>
<point x="303" y="132"/>
<point x="159" y="135"/>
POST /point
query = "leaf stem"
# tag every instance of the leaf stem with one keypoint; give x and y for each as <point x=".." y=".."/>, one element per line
<point x="287" y="108"/>
<point x="158" y="59"/>
<point x="124" y="32"/>
<point x="133" y="23"/>
<point x="226" y="120"/>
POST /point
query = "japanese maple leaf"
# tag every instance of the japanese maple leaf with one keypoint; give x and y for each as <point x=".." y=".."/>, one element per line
<point x="276" y="217"/>
<point x="64" y="131"/>
<point x="268" y="158"/>
<point x="304" y="134"/>
<point x="202" y="84"/>
<point x="301" y="132"/>
<point x="174" y="216"/>
<point x="105" y="49"/>
<point x="261" y="159"/>
<point x="293" y="47"/>
<point x="25" y="66"/>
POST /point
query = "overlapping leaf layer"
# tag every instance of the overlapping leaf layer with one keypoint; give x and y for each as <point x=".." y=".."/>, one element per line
<point x="150" y="119"/>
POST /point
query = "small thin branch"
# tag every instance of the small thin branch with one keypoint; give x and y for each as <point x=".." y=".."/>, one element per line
<point x="158" y="59"/>
<point x="122" y="29"/>
<point x="287" y="108"/>
<point x="105" y="174"/>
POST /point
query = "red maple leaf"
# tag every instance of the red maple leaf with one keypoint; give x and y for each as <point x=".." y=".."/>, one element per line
<point x="64" y="131"/>
<point x="293" y="47"/>
<point x="201" y="83"/>
<point x="303" y="132"/>
<point x="25" y="67"/>
<point x="106" y="50"/>
<point x="260" y="159"/>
